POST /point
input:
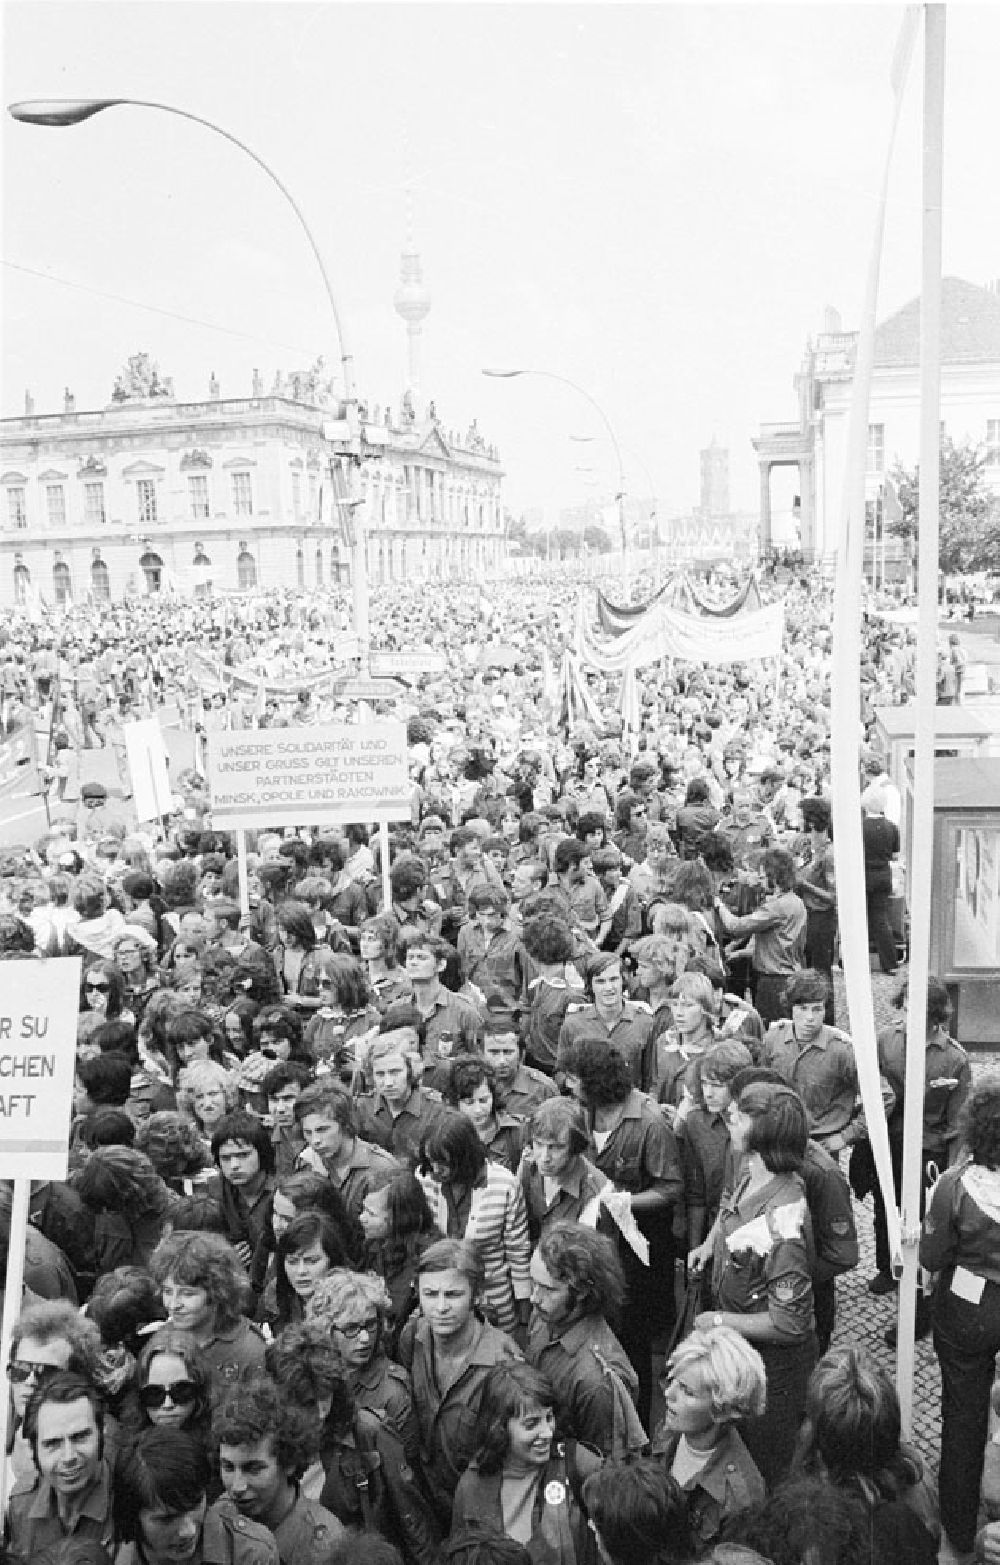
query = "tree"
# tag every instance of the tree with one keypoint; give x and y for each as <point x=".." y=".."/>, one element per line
<point x="596" y="539"/>
<point x="968" y="539"/>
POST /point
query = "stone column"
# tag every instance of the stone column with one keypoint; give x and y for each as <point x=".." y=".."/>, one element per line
<point x="807" y="509"/>
<point x="765" y="506"/>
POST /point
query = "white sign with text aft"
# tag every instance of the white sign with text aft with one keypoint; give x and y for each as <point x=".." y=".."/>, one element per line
<point x="327" y="775"/>
<point x="39" y="1004"/>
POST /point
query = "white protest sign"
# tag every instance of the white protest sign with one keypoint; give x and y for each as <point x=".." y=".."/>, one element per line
<point x="39" y="1002"/>
<point x="408" y="664"/>
<point x="147" y="763"/>
<point x="325" y="775"/>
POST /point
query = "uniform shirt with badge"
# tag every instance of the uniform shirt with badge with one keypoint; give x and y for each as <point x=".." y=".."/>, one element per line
<point x="947" y="1084"/>
<point x="763" y="1254"/>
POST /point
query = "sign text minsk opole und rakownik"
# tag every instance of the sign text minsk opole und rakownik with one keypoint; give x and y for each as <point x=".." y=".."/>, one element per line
<point x="325" y="775"/>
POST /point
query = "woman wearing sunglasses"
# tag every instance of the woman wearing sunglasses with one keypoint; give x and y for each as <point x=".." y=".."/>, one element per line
<point x="174" y="1386"/>
<point x="102" y="1000"/>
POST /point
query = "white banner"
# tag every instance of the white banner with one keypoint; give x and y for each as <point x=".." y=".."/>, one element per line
<point x="325" y="775"/>
<point x="665" y="633"/>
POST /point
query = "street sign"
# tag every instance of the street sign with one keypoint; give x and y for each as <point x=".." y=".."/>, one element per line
<point x="408" y="664"/>
<point x="39" y="1002"/>
<point x="325" y="775"/>
<point x="368" y="690"/>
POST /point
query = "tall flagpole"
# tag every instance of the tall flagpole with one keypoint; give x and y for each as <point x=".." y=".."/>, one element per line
<point x="922" y="826"/>
<point x="846" y="703"/>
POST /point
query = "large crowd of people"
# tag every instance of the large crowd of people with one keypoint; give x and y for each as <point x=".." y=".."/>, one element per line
<point x="499" y="1220"/>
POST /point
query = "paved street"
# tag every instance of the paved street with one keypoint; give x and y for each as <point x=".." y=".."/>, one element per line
<point x="24" y="819"/>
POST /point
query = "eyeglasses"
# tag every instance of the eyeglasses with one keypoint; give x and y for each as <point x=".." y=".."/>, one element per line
<point x="20" y="1370"/>
<point x="180" y="1393"/>
<point x="369" y="1327"/>
<point x="101" y="988"/>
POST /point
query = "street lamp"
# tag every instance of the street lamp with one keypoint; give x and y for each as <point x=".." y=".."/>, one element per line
<point x="565" y="381"/>
<point x="63" y="112"/>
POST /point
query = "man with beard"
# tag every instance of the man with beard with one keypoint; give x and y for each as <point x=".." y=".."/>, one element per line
<point x="576" y="1283"/>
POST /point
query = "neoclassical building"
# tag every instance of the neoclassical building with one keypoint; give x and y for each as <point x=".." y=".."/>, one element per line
<point x="231" y="493"/>
<point x="816" y="443"/>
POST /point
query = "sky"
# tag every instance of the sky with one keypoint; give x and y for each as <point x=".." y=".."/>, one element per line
<point x="656" y="202"/>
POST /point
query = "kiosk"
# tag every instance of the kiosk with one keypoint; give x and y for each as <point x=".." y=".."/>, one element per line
<point x="965" y="906"/>
<point x="958" y="730"/>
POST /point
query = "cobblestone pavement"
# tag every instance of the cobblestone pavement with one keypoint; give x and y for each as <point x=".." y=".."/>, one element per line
<point x="863" y="1319"/>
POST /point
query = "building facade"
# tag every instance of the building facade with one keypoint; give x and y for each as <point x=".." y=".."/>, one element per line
<point x="816" y="443"/>
<point x="230" y="494"/>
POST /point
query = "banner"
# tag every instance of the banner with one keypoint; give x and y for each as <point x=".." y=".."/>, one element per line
<point x="247" y="678"/>
<point x="678" y="593"/>
<point x="664" y="633"/>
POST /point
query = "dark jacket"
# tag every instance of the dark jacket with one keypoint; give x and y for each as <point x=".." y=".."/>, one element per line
<point x="370" y="1485"/>
<point x="728" y="1483"/>
<point x="560" y="1534"/>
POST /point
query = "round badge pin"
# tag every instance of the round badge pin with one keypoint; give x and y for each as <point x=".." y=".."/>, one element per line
<point x="555" y="1492"/>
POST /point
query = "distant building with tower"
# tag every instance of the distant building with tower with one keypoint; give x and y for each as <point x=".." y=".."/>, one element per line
<point x="714" y="480"/>
<point x="224" y="493"/>
<point x="815" y="443"/>
<point x="713" y="531"/>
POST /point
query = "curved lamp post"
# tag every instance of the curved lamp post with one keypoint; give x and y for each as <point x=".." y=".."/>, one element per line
<point x="564" y="380"/>
<point x="63" y="112"/>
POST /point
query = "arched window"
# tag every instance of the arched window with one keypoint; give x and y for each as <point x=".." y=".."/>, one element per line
<point x="319" y="567"/>
<point x="246" y="569"/>
<point x="152" y="570"/>
<point x="300" y="566"/>
<point x="202" y="573"/>
<point x="100" y="581"/>
<point x="22" y="584"/>
<point x="62" y="586"/>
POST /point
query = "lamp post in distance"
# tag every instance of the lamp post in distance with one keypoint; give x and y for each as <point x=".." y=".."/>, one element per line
<point x="61" y="113"/>
<point x="564" y="380"/>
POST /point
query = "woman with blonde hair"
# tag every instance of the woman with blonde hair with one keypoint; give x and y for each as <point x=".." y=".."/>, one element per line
<point x="206" y="1093"/>
<point x="714" y="1379"/>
